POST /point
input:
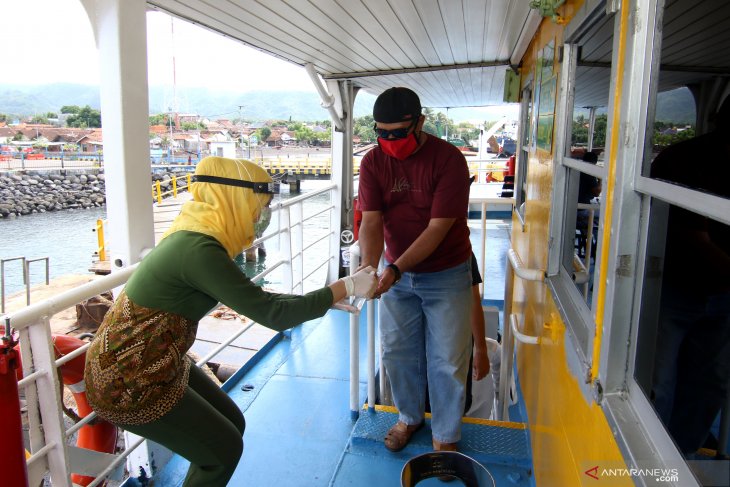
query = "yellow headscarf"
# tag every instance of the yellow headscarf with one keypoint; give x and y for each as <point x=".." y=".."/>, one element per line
<point x="226" y="213"/>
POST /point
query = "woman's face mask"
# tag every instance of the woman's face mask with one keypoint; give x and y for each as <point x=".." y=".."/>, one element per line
<point x="263" y="222"/>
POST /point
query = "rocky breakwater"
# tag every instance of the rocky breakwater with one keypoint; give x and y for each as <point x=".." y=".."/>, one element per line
<point x="23" y="194"/>
<point x="34" y="192"/>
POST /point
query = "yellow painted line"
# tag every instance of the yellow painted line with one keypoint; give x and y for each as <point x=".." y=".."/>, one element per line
<point x="610" y="190"/>
<point x="499" y="424"/>
<point x="487" y="422"/>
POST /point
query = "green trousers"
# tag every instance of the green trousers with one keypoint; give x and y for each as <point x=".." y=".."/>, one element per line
<point x="205" y="427"/>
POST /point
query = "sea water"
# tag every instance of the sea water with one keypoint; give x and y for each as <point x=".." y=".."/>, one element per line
<point x="69" y="240"/>
<point x="66" y="237"/>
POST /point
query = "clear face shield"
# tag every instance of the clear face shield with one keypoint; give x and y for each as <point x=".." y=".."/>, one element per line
<point x="267" y="188"/>
<point x="263" y="222"/>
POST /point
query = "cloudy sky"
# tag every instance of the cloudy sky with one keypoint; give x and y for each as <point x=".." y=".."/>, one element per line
<point x="64" y="23"/>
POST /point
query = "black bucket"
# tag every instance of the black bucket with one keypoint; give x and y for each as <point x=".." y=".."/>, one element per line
<point x="445" y="464"/>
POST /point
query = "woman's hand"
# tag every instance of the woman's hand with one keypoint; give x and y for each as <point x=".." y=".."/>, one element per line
<point x="362" y="284"/>
<point x="480" y="366"/>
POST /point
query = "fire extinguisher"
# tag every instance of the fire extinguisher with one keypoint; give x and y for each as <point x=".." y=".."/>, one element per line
<point x="511" y="165"/>
<point x="12" y="449"/>
<point x="357" y="217"/>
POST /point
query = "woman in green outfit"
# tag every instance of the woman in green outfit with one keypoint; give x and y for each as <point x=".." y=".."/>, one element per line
<point x="137" y="374"/>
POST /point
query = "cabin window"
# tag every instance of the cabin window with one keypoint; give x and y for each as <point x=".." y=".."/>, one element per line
<point x="586" y="67"/>
<point x="682" y="352"/>
<point x="683" y="347"/>
<point x="683" y="343"/>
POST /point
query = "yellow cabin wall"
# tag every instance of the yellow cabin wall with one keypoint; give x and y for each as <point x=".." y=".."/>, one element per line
<point x="569" y="434"/>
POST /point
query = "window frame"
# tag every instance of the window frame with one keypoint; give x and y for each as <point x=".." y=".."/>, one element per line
<point x="611" y="382"/>
<point x="526" y="141"/>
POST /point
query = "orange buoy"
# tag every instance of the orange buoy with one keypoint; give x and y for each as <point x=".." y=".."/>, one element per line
<point x="100" y="435"/>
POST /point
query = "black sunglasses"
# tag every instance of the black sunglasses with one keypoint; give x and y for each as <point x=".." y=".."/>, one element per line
<point x="400" y="133"/>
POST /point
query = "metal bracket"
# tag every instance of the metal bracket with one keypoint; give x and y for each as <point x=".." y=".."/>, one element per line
<point x="597" y="391"/>
<point x="612" y="6"/>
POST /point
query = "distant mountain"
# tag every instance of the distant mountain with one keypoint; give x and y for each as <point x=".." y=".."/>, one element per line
<point x="676" y="106"/>
<point x="25" y="100"/>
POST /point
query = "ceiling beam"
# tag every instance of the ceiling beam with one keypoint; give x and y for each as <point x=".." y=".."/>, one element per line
<point x="425" y="69"/>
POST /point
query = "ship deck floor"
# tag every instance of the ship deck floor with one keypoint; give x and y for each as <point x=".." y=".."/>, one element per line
<point x="300" y="431"/>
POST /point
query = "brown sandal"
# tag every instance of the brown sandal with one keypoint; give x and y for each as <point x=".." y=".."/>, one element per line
<point x="399" y="435"/>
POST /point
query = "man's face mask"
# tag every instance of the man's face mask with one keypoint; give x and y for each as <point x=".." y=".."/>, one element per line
<point x="403" y="141"/>
<point x="263" y="222"/>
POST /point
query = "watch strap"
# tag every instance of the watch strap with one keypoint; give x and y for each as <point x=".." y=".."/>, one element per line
<point x="396" y="271"/>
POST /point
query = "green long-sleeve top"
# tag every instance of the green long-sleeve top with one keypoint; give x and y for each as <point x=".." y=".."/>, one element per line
<point x="188" y="273"/>
<point x="136" y="370"/>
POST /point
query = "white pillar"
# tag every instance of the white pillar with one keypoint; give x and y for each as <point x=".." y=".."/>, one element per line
<point x="121" y="37"/>
<point x="344" y="94"/>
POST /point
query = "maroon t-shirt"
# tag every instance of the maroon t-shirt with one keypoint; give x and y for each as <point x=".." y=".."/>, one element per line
<point x="432" y="183"/>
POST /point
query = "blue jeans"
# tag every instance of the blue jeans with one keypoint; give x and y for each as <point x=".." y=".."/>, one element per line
<point x="426" y="337"/>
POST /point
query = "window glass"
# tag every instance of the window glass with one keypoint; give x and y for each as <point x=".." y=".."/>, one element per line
<point x="683" y="352"/>
<point x="587" y="140"/>
<point x="584" y="200"/>
<point x="682" y="361"/>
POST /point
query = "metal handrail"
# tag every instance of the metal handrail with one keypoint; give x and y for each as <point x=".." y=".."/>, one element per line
<point x="27" y="274"/>
<point x="511" y="332"/>
<point x="2" y="278"/>
<point x="33" y="324"/>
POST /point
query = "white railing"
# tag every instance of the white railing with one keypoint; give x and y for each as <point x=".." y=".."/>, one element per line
<point x="511" y="329"/>
<point x="50" y="453"/>
<point x="357" y="305"/>
<point x="478" y="197"/>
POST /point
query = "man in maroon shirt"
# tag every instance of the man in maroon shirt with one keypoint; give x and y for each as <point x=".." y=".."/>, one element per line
<point x="414" y="194"/>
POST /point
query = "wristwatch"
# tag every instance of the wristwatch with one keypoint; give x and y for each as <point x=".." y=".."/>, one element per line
<point x="395" y="270"/>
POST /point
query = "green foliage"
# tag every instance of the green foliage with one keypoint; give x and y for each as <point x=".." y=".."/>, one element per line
<point x="303" y="134"/>
<point x="363" y="127"/>
<point x="51" y="115"/>
<point x="580" y="130"/>
<point x="159" y="119"/>
<point x="87" y="117"/>
<point x="40" y="119"/>
<point x="70" y="109"/>
<point x="4" y="117"/>
<point x="192" y="125"/>
<point x="264" y="133"/>
<point x="664" y="140"/>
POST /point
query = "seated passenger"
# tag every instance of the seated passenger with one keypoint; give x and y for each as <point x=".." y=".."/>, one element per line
<point x="589" y="187"/>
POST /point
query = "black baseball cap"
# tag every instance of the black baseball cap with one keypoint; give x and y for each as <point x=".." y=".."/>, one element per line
<point x="397" y="104"/>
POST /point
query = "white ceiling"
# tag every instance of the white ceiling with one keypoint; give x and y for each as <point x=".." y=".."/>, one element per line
<point x="453" y="53"/>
